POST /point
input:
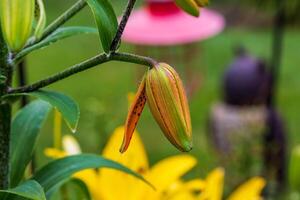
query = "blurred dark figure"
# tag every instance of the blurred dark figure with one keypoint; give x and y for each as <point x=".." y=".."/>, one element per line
<point x="246" y="82"/>
<point x="238" y="123"/>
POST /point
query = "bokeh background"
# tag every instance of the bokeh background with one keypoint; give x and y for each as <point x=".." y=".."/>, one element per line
<point x="101" y="92"/>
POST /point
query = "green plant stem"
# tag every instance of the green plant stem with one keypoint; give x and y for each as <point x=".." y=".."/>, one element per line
<point x="100" y="59"/>
<point x="116" y="41"/>
<point x="68" y="14"/>
<point x="5" y="114"/>
<point x="50" y="29"/>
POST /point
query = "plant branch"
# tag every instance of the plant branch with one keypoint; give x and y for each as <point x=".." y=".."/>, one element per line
<point x="100" y="59"/>
<point x="68" y="14"/>
<point x="126" y="14"/>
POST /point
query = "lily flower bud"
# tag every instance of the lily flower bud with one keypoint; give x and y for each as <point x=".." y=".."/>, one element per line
<point x="164" y="92"/>
<point x="168" y="103"/>
<point x="191" y="6"/>
<point x="16" y="21"/>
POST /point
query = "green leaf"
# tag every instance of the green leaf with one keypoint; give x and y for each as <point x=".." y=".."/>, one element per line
<point x="63" y="33"/>
<point x="59" y="170"/>
<point x="75" y="187"/>
<point x="106" y="21"/>
<point x="64" y="104"/>
<point x="27" y="190"/>
<point x="25" y="128"/>
<point x="59" y="34"/>
<point x="79" y="189"/>
<point x="82" y="188"/>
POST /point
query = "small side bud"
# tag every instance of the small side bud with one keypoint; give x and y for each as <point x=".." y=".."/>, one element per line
<point x="192" y="7"/>
<point x="40" y="18"/>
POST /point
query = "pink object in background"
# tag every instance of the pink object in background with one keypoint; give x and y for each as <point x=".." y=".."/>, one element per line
<point x="161" y="22"/>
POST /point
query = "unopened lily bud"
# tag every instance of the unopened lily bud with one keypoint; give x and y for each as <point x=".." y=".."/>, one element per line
<point x="168" y="103"/>
<point x="16" y="22"/>
<point x="163" y="90"/>
<point x="191" y="6"/>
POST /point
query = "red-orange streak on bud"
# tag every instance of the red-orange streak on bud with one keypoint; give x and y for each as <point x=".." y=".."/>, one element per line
<point x="133" y="116"/>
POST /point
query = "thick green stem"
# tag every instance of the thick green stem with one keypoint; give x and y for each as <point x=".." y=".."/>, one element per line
<point x="100" y="59"/>
<point x="115" y="43"/>
<point x="5" y="115"/>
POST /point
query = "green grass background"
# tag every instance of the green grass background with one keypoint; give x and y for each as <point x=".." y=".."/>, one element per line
<point x="102" y="91"/>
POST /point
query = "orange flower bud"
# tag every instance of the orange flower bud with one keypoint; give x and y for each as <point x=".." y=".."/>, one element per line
<point x="168" y="103"/>
<point x="167" y="100"/>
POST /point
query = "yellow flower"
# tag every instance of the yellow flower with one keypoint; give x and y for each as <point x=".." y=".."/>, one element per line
<point x="165" y="176"/>
<point x="110" y="184"/>
<point x="163" y="90"/>
<point x="214" y="183"/>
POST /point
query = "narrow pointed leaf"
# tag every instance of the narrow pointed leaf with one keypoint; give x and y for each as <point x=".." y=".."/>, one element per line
<point x="59" y="170"/>
<point x="25" y="129"/>
<point x="59" y="34"/>
<point x="27" y="190"/>
<point x="106" y="21"/>
<point x="134" y="114"/>
<point x="64" y="104"/>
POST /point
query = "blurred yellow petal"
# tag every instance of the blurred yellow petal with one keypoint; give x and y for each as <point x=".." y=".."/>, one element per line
<point x="91" y="178"/>
<point x="54" y="153"/>
<point x="134" y="158"/>
<point x="70" y="145"/>
<point x="185" y="195"/>
<point x="183" y="190"/>
<point x="250" y="190"/>
<point x="214" y="185"/>
<point x="170" y="169"/>
<point x="195" y="185"/>
<point x="166" y="172"/>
